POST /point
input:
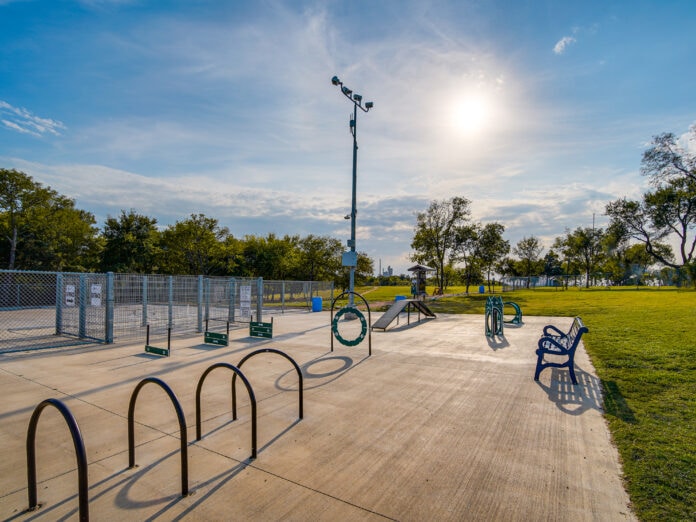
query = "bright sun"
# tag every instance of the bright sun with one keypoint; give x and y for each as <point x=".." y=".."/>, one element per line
<point x="471" y="115"/>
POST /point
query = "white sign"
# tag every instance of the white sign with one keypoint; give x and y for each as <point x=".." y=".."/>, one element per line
<point x="95" y="297"/>
<point x="70" y="295"/>
<point x="245" y="302"/>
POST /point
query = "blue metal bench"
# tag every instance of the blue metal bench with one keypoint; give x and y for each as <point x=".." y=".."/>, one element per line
<point x="557" y="343"/>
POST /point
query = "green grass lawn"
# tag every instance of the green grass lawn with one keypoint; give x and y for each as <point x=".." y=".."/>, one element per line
<point x="643" y="346"/>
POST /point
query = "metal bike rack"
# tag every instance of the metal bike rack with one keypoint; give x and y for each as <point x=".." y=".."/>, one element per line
<point x="182" y="429"/>
<point x="268" y="350"/>
<point x="252" y="399"/>
<point x="79" y="452"/>
<point x="369" y="319"/>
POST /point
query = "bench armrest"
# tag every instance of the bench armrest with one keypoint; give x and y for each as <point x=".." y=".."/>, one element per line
<point x="552" y="327"/>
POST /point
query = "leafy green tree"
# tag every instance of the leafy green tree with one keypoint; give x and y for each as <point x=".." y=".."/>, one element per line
<point x="467" y="250"/>
<point x="666" y="160"/>
<point x="319" y="258"/>
<point x="491" y="248"/>
<point x="195" y="246"/>
<point x="435" y="235"/>
<point x="669" y="211"/>
<point x="584" y="246"/>
<point x="666" y="212"/>
<point x="131" y="243"/>
<point x="16" y="190"/>
<point x="528" y="250"/>
<point x="42" y="229"/>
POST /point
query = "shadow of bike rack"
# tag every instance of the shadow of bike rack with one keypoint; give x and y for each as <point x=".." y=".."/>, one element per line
<point x="268" y="350"/>
<point x="252" y="399"/>
<point x="79" y="452"/>
<point x="182" y="428"/>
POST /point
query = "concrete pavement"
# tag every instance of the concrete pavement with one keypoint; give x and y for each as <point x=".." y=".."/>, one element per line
<point x="440" y="423"/>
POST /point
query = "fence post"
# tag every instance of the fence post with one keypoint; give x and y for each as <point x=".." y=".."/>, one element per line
<point x="109" y="333"/>
<point x="200" y="305"/>
<point x="232" y="297"/>
<point x="282" y="296"/>
<point x="82" y="332"/>
<point x="59" y="304"/>
<point x="259" y="299"/>
<point x="170" y="281"/>
<point x="144" y="322"/>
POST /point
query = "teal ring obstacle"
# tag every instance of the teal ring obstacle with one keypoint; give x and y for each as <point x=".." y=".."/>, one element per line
<point x="494" y="316"/>
<point x="363" y="326"/>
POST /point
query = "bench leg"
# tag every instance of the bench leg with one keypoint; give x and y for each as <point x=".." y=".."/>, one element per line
<point x="572" y="372"/>
<point x="539" y="367"/>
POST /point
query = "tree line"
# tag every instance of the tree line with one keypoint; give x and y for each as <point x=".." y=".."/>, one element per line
<point x="639" y="236"/>
<point x="41" y="229"/>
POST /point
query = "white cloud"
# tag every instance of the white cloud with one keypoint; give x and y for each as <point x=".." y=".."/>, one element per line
<point x="561" y="44"/>
<point x="22" y="120"/>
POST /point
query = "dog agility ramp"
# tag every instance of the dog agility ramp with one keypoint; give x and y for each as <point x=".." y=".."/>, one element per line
<point x="399" y="306"/>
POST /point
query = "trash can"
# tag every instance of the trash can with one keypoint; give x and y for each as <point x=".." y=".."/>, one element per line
<point x="317" y="303"/>
<point x="482" y="289"/>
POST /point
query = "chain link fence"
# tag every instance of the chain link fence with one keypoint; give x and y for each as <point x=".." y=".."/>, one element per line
<point x="50" y="309"/>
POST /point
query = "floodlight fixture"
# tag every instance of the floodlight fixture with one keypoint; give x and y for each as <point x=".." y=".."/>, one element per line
<point x="346" y="91"/>
<point x="369" y="105"/>
<point x="357" y="98"/>
<point x="335" y="80"/>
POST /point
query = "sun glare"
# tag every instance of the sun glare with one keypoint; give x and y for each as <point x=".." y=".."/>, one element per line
<point x="472" y="114"/>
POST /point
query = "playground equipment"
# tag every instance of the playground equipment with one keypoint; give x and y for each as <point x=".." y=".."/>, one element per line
<point x="182" y="428"/>
<point x="156" y="350"/>
<point x="518" y="313"/>
<point x="79" y="452"/>
<point x="395" y="309"/>
<point x="220" y="339"/>
<point x="352" y="310"/>
<point x="494" y="316"/>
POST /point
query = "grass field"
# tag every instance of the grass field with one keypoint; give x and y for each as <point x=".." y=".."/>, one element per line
<point x="643" y="346"/>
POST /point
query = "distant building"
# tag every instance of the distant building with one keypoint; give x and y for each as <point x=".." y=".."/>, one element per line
<point x="388" y="272"/>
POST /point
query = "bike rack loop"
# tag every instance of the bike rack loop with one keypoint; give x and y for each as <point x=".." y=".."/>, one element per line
<point x="252" y="399"/>
<point x="182" y="429"/>
<point x="268" y="350"/>
<point x="369" y="319"/>
<point x="79" y="452"/>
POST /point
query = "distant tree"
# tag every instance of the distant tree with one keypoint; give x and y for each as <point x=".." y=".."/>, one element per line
<point x="319" y="258"/>
<point x="195" y="246"/>
<point x="528" y="250"/>
<point x="668" y="211"/>
<point x="467" y="252"/>
<point x="666" y="160"/>
<point x="584" y="246"/>
<point x="131" y="243"/>
<point x="491" y="248"/>
<point x="435" y="235"/>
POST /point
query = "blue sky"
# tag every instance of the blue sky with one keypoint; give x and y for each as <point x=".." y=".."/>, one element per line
<point x="537" y="111"/>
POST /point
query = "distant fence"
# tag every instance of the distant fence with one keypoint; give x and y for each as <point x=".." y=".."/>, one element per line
<point x="578" y="280"/>
<point x="44" y="309"/>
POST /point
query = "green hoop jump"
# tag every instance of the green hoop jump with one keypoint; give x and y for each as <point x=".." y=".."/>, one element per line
<point x="363" y="325"/>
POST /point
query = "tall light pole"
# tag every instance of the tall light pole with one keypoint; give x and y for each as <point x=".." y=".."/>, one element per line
<point x="351" y="260"/>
